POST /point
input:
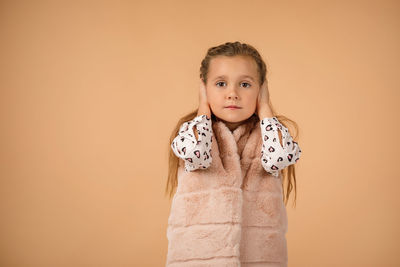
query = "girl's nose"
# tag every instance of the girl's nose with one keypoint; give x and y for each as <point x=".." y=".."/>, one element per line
<point x="232" y="94"/>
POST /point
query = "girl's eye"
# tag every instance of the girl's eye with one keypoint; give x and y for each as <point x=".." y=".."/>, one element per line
<point x="242" y="83"/>
<point x="248" y="84"/>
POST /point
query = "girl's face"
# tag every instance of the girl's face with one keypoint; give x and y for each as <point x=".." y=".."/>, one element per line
<point x="232" y="81"/>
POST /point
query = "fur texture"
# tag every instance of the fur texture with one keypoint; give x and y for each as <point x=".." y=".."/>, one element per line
<point x="232" y="213"/>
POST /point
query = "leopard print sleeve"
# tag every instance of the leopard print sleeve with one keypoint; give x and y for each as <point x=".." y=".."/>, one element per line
<point x="195" y="153"/>
<point x="274" y="156"/>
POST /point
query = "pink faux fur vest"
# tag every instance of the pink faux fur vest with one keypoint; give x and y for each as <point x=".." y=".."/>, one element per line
<point x="232" y="213"/>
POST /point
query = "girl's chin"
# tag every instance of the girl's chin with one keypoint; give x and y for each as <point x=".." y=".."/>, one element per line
<point x="232" y="119"/>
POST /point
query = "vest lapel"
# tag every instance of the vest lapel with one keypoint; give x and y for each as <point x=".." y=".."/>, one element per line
<point x="236" y="149"/>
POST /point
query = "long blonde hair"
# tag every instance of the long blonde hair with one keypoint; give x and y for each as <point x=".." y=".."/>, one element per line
<point x="231" y="49"/>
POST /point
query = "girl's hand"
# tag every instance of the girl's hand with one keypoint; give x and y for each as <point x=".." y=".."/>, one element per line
<point x="263" y="108"/>
<point x="204" y="107"/>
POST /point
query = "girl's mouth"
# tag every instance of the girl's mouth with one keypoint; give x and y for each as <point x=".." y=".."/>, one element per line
<point x="233" y="107"/>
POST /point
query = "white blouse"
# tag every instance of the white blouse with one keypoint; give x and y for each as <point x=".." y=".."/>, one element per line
<point x="197" y="153"/>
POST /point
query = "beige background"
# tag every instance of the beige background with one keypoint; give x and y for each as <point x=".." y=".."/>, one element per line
<point x="91" y="90"/>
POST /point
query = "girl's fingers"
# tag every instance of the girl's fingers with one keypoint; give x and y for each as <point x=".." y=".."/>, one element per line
<point x="262" y="95"/>
<point x="203" y="92"/>
<point x="264" y="90"/>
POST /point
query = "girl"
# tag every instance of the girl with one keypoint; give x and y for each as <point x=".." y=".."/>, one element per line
<point x="227" y="161"/>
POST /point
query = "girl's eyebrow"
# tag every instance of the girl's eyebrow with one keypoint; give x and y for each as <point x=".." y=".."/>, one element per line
<point x="242" y="76"/>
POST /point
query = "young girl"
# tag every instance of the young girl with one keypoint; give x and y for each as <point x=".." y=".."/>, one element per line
<point x="227" y="161"/>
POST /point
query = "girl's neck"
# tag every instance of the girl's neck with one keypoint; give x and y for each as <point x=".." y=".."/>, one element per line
<point x="232" y="125"/>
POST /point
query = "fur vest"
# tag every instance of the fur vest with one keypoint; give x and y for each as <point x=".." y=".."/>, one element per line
<point x="232" y="213"/>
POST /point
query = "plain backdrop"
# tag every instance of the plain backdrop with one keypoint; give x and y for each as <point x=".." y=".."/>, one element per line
<point x="91" y="90"/>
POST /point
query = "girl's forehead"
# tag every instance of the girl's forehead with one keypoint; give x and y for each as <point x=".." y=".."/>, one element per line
<point x="238" y="59"/>
<point x="232" y="66"/>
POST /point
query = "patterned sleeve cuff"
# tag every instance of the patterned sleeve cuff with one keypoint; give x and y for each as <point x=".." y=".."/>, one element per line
<point x="274" y="155"/>
<point x="195" y="153"/>
<point x="270" y="127"/>
<point x="186" y="130"/>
